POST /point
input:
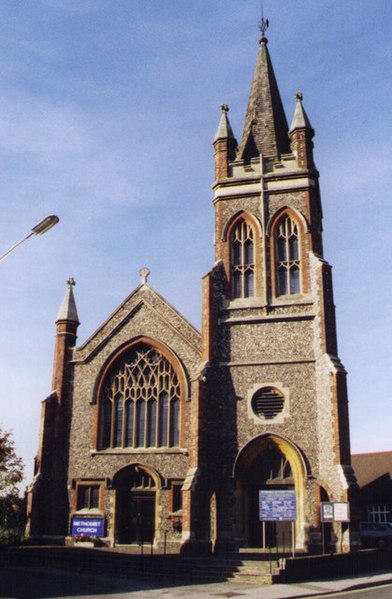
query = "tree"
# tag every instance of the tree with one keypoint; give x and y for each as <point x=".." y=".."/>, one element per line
<point x="11" y="467"/>
<point x="11" y="505"/>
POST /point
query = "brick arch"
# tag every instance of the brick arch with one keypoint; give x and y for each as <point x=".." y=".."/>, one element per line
<point x="294" y="213"/>
<point x="157" y="478"/>
<point x="232" y="221"/>
<point x="158" y="345"/>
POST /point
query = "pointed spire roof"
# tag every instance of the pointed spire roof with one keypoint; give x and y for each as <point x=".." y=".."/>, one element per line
<point x="300" y="119"/>
<point x="224" y="130"/>
<point x="68" y="309"/>
<point x="265" y="129"/>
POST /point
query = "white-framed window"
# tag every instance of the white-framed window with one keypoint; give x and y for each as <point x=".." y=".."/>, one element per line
<point x="378" y="513"/>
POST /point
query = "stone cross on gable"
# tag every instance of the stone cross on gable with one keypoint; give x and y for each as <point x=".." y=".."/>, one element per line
<point x="144" y="274"/>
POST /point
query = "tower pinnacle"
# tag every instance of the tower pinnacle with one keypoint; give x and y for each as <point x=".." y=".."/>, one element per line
<point x="68" y="309"/>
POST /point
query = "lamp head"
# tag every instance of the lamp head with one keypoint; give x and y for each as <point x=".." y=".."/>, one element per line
<point x="45" y="224"/>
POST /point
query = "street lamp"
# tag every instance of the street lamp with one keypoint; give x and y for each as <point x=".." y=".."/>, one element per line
<point x="39" y="229"/>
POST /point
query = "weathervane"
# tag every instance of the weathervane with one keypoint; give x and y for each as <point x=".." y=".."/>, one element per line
<point x="264" y="24"/>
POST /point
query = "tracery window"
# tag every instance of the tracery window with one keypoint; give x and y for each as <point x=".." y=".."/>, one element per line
<point x="140" y="401"/>
<point x="288" y="266"/>
<point x="242" y="260"/>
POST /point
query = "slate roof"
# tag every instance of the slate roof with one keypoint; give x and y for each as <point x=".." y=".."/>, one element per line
<point x="371" y="466"/>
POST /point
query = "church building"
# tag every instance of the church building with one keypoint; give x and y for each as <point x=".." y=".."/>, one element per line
<point x="165" y="435"/>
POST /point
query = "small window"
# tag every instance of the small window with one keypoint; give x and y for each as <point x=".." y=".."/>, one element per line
<point x="267" y="403"/>
<point x="88" y="497"/>
<point x="176" y="497"/>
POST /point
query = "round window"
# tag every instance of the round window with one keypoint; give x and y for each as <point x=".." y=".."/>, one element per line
<point x="267" y="402"/>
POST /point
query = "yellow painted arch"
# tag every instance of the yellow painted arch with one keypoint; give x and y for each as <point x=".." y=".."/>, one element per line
<point x="297" y="462"/>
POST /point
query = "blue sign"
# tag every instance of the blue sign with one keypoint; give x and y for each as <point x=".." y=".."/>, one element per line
<point x="277" y="506"/>
<point x="91" y="527"/>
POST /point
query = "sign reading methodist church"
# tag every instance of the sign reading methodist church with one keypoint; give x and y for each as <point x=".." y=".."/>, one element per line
<point x="93" y="527"/>
<point x="277" y="506"/>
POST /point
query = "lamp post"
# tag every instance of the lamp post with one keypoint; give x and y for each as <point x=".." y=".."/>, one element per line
<point x="39" y="229"/>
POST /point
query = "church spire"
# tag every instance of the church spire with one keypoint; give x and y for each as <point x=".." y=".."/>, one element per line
<point x="265" y="129"/>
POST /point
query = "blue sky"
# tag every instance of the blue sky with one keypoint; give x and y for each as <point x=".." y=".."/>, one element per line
<point x="107" y="113"/>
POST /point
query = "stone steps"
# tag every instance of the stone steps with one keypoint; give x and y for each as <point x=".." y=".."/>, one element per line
<point x="235" y="567"/>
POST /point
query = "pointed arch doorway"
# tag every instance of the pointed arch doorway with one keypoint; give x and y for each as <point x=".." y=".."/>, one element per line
<point x="136" y="490"/>
<point x="268" y="463"/>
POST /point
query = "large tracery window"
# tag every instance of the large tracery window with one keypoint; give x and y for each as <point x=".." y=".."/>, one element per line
<point x="288" y="266"/>
<point x="140" y="401"/>
<point x="242" y="260"/>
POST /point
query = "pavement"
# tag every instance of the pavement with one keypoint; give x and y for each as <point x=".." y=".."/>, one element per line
<point x="34" y="583"/>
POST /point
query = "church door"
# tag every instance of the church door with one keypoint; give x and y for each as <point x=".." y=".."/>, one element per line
<point x="135" y="507"/>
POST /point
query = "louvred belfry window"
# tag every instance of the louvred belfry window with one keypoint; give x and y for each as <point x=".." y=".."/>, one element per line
<point x="288" y="266"/>
<point x="242" y="260"/>
<point x="140" y="401"/>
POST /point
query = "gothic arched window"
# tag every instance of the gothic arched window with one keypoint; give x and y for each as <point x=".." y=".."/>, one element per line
<point x="287" y="251"/>
<point x="140" y="401"/>
<point x="242" y="260"/>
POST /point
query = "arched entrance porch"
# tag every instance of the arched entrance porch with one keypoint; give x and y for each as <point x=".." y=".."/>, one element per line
<point x="268" y="462"/>
<point x="136" y="497"/>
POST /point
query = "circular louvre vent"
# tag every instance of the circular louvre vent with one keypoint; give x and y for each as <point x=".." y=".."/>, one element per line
<point x="267" y="402"/>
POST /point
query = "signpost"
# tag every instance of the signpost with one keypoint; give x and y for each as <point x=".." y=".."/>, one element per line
<point x="278" y="506"/>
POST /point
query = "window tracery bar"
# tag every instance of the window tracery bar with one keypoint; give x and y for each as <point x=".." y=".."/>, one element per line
<point x="140" y="402"/>
<point x="242" y="260"/>
<point x="288" y="266"/>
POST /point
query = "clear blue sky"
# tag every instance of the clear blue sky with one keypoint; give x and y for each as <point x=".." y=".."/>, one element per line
<point x="107" y="113"/>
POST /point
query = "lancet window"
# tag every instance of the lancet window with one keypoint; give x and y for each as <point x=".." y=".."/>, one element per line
<point x="288" y="265"/>
<point x="242" y="260"/>
<point x="140" y="401"/>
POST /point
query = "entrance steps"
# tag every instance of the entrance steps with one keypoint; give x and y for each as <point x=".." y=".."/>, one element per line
<point x="246" y="567"/>
<point x="235" y="567"/>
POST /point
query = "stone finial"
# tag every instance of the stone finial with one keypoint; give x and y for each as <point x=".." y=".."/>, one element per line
<point x="300" y="119"/>
<point x="71" y="282"/>
<point x="224" y="108"/>
<point x="144" y="274"/>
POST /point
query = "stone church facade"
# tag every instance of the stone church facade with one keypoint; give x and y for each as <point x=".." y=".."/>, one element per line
<point x="166" y="435"/>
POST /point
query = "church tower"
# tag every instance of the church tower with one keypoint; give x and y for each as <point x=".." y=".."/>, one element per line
<point x="276" y="413"/>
